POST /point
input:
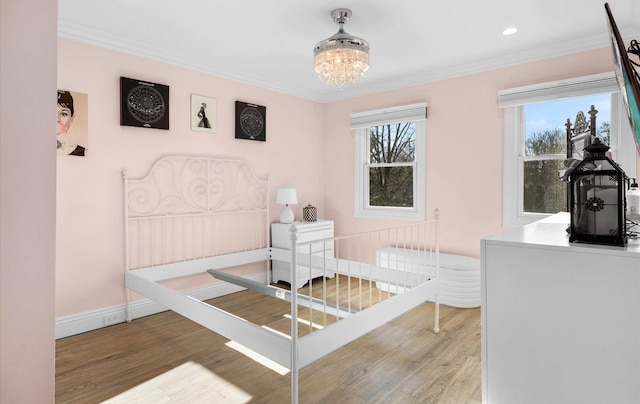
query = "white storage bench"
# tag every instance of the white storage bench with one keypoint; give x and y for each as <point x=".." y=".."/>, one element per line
<point x="459" y="284"/>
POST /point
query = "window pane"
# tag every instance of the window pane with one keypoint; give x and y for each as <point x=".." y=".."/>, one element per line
<point x="395" y="143"/>
<point x="545" y="130"/>
<point x="391" y="186"/>
<point x="549" y="141"/>
<point x="544" y="192"/>
<point x="545" y="134"/>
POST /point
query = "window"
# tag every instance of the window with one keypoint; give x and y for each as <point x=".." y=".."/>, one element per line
<point x="390" y="150"/>
<point x="535" y="141"/>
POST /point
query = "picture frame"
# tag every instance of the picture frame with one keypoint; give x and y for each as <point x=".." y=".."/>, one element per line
<point x="72" y="126"/>
<point x="251" y="121"/>
<point x="144" y="104"/>
<point x="203" y="113"/>
<point x="627" y="77"/>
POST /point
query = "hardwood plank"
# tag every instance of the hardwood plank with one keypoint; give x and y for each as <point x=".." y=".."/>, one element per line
<point x="167" y="358"/>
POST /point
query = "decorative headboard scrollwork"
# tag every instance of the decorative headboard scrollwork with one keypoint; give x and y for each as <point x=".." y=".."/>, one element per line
<point x="189" y="185"/>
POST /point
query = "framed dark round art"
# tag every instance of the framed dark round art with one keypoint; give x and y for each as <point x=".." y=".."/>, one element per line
<point x="144" y="104"/>
<point x="251" y="121"/>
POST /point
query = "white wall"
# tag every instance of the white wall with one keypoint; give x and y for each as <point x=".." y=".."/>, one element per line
<point x="27" y="200"/>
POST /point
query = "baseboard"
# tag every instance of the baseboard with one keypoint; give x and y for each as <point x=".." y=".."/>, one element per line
<point x="74" y="324"/>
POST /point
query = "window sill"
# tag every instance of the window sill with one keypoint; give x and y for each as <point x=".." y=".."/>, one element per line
<point x="390" y="214"/>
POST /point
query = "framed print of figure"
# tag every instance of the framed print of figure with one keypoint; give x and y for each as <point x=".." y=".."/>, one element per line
<point x="203" y="113"/>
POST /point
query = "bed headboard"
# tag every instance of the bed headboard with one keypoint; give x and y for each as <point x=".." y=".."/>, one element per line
<point x="192" y="207"/>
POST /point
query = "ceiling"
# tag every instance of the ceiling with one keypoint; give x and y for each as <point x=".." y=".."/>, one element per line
<point x="269" y="43"/>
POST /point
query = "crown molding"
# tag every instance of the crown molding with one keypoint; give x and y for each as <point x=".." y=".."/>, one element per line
<point x="101" y="39"/>
<point x="94" y="37"/>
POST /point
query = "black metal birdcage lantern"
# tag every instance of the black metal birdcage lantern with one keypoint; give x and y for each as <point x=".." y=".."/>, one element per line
<point x="597" y="199"/>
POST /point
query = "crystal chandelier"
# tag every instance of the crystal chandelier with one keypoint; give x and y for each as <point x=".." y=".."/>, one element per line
<point x="341" y="59"/>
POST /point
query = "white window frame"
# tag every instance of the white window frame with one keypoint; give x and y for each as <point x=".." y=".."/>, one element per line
<point x="514" y="102"/>
<point x="360" y="123"/>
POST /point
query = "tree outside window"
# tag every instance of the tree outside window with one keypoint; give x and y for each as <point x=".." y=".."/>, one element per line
<point x="392" y="164"/>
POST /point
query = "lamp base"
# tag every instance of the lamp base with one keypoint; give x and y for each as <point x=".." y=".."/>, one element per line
<point x="286" y="215"/>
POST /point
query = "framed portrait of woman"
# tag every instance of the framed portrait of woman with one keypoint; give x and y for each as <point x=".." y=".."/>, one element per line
<point x="72" y="128"/>
<point x="203" y="113"/>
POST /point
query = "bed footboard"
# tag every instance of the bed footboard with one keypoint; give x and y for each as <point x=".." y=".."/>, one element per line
<point x="359" y="273"/>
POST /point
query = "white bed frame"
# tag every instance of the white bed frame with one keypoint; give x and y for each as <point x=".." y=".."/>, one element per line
<point x="192" y="215"/>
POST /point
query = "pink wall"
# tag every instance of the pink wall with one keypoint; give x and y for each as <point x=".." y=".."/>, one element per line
<point x="27" y="200"/>
<point x="309" y="146"/>
<point x="464" y="146"/>
<point x="89" y="263"/>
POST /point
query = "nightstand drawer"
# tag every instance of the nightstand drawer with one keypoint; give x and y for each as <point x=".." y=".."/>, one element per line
<point x="314" y="231"/>
<point x="307" y="231"/>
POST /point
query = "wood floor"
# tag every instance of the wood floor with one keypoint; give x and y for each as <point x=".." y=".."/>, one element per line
<point x="167" y="358"/>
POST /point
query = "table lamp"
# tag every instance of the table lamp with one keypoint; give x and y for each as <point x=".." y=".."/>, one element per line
<point x="286" y="196"/>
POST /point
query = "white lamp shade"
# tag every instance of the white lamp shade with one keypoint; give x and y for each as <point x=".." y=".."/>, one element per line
<point x="287" y="196"/>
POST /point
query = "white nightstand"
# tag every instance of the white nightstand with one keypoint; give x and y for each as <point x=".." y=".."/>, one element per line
<point x="307" y="232"/>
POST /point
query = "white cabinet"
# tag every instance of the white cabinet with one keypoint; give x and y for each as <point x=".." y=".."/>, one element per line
<point x="314" y="237"/>
<point x="560" y="321"/>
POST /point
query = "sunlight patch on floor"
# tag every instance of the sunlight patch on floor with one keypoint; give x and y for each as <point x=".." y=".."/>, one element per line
<point x="188" y="383"/>
<point x="264" y="361"/>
